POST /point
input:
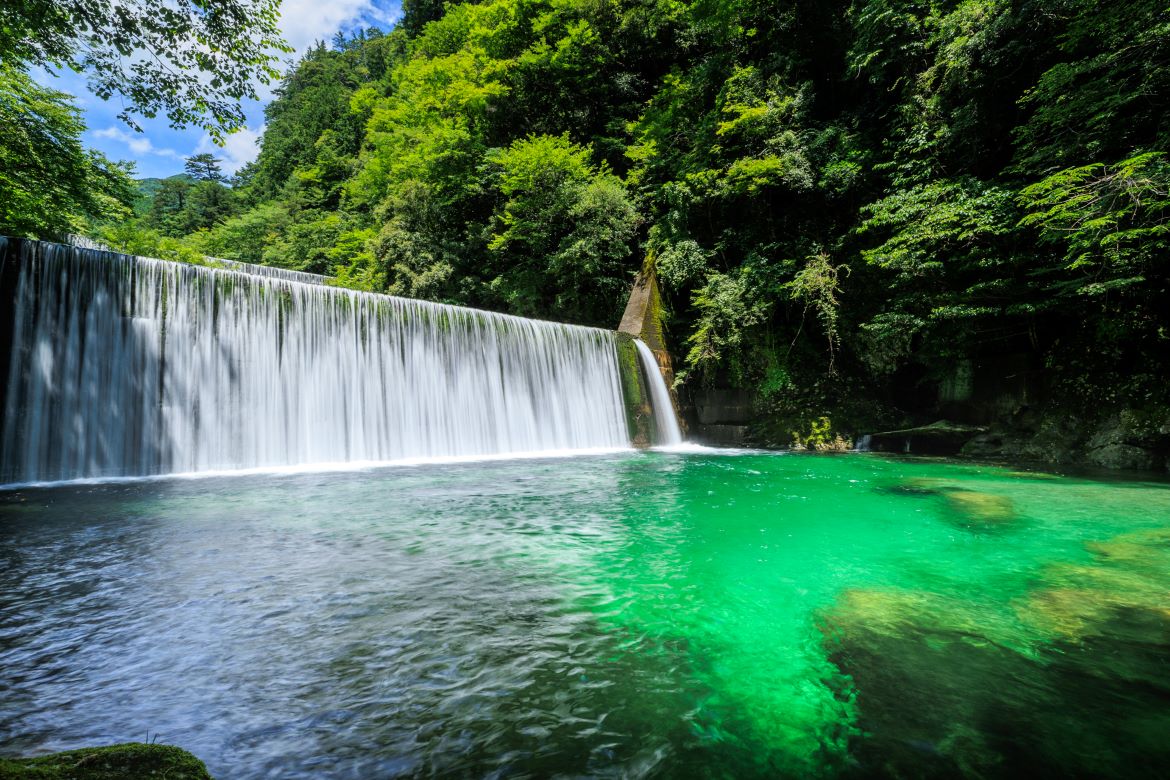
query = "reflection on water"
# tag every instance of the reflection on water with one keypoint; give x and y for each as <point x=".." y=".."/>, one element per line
<point x="637" y="614"/>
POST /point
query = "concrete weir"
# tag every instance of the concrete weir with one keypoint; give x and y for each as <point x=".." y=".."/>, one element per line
<point x="642" y="320"/>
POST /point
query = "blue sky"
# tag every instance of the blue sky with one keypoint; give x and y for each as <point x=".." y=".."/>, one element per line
<point x="160" y="150"/>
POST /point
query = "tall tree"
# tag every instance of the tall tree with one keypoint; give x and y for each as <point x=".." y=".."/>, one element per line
<point x="416" y="14"/>
<point x="168" y="207"/>
<point x="204" y="167"/>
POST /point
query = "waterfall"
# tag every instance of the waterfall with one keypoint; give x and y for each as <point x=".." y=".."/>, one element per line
<point x="664" y="418"/>
<point x="269" y="270"/>
<point x="129" y="366"/>
<point x="85" y="242"/>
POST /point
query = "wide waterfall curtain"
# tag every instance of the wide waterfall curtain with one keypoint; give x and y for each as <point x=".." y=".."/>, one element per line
<point x="131" y="366"/>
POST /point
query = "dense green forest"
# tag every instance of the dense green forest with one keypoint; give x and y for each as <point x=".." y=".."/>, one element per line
<point x="843" y="200"/>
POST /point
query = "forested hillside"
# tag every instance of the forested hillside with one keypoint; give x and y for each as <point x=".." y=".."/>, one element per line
<point x="844" y="201"/>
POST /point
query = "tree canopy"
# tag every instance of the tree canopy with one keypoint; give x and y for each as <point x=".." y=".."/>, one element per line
<point x="192" y="60"/>
<point x="204" y="167"/>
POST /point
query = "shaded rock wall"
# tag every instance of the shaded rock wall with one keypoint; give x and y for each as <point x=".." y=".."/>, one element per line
<point x="981" y="390"/>
<point x="722" y="416"/>
<point x="1001" y="406"/>
<point x="1127" y="440"/>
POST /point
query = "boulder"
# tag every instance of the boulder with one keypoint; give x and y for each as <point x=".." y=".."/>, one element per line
<point x="130" y="761"/>
<point x="1126" y="457"/>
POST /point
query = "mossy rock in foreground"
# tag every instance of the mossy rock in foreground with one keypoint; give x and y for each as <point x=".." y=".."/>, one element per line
<point x="132" y="761"/>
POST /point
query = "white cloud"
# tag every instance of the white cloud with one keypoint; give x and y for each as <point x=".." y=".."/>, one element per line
<point x="139" y="144"/>
<point x="305" y="22"/>
<point x="238" y="149"/>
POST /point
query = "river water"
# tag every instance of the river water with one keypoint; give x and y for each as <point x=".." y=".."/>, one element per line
<point x="672" y="614"/>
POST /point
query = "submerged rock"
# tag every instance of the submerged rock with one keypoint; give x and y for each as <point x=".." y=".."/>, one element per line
<point x="131" y="761"/>
<point x="1040" y="475"/>
<point x="918" y="486"/>
<point x="899" y="613"/>
<point x="1073" y="682"/>
<point x="979" y="511"/>
<point x="968" y="509"/>
<point x="946" y="688"/>
<point x="913" y="660"/>
<point x="1148" y="549"/>
<point x="1122" y="598"/>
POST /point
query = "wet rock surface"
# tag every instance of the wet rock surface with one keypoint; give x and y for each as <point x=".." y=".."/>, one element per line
<point x="1123" y="457"/>
<point x="939" y="438"/>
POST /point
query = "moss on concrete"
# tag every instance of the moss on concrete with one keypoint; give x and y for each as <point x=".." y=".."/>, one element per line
<point x="639" y="415"/>
<point x="652" y="329"/>
<point x="131" y="761"/>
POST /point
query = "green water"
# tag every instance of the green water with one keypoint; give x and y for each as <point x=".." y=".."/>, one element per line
<point x="751" y="561"/>
<point x="643" y="614"/>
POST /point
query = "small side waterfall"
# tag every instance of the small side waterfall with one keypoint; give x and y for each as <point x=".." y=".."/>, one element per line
<point x="129" y="366"/>
<point x="664" y="418"/>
